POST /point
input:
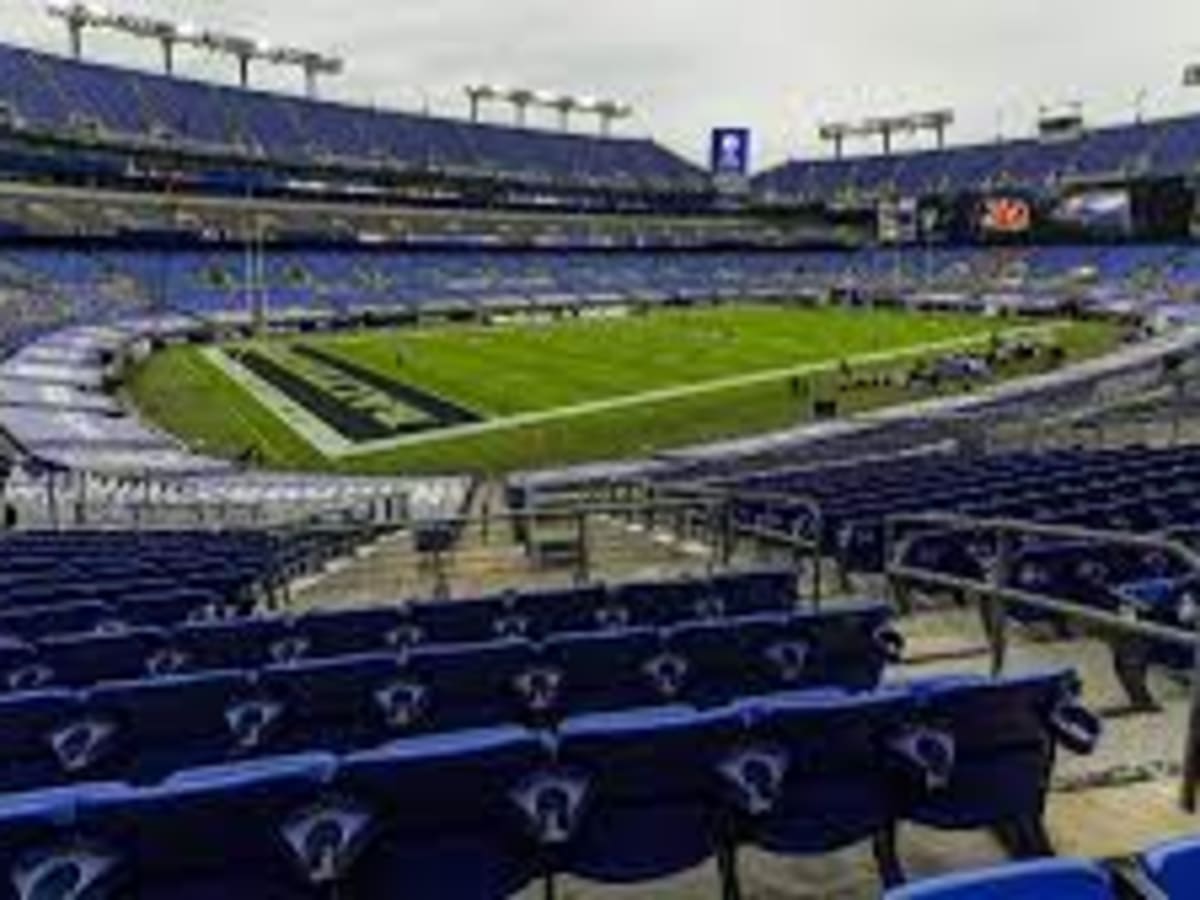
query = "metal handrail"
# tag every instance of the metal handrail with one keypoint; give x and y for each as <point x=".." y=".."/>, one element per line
<point x="800" y="544"/>
<point x="995" y="596"/>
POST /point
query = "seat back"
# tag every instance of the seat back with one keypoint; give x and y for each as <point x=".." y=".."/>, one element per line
<point x="222" y="831"/>
<point x="654" y="789"/>
<point x="1004" y="735"/>
<point x="446" y="819"/>
<point x="831" y="753"/>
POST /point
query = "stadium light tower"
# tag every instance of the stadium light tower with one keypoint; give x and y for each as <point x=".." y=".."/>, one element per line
<point x="611" y="111"/>
<point x="78" y="17"/>
<point x="167" y="39"/>
<point x="521" y="99"/>
<point x="479" y="94"/>
<point x="835" y="133"/>
<point x="524" y="99"/>
<point x="565" y="105"/>
<point x="886" y="128"/>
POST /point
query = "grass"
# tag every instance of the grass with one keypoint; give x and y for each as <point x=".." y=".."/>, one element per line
<point x="505" y="371"/>
<point x="526" y="368"/>
<point x="183" y="393"/>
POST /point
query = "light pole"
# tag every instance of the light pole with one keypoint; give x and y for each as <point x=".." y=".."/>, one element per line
<point x="80" y="16"/>
<point x="478" y="95"/>
<point x="565" y="106"/>
<point x="521" y="99"/>
<point x="610" y="112"/>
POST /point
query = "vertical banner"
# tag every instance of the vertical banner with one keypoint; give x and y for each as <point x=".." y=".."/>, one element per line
<point x="730" y="152"/>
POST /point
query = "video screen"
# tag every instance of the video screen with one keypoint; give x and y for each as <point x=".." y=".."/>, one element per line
<point x="1103" y="212"/>
<point x="1005" y="215"/>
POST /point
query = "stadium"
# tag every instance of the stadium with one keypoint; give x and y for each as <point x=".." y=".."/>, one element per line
<point x="508" y="503"/>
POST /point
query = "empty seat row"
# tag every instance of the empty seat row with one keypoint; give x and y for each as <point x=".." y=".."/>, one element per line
<point x="539" y="614"/>
<point x="1127" y="489"/>
<point x="129" y="572"/>
<point x="860" y="544"/>
<point x="145" y="728"/>
<point x="117" y="647"/>
<point x="613" y="798"/>
<point x="162" y="608"/>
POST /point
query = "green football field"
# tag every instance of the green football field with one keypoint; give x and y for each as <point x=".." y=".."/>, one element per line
<point x="494" y="398"/>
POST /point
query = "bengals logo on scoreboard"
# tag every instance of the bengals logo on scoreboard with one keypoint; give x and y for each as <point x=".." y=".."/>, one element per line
<point x="1008" y="215"/>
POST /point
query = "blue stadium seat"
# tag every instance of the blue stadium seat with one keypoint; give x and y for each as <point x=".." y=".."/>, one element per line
<point x="462" y="621"/>
<point x="609" y="671"/>
<point x="1004" y="735"/>
<point x="473" y="685"/>
<point x="446" y="814"/>
<point x="756" y="591"/>
<point x="62" y="618"/>
<point x="41" y="854"/>
<point x="84" y="659"/>
<point x="664" y="603"/>
<point x="169" y="724"/>
<point x="19" y="666"/>
<point x="345" y="702"/>
<point x="238" y="643"/>
<point x="1060" y="879"/>
<point x="849" y="644"/>
<point x="345" y="632"/>
<point x="1174" y="867"/>
<point x="29" y="722"/>
<point x="235" y="830"/>
<point x="653" y="790"/>
<point x="170" y="607"/>
<point x="560" y="610"/>
<point x="820" y="772"/>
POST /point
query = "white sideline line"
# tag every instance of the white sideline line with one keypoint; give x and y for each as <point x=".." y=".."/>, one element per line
<point x="333" y="446"/>
<point x="304" y="424"/>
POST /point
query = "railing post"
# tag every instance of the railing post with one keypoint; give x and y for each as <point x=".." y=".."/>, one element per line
<point x="713" y="534"/>
<point x="441" y="579"/>
<point x="1191" y="759"/>
<point x="994" y="607"/>
<point x="727" y="532"/>
<point x="801" y="549"/>
<point x="818" y="575"/>
<point x="52" y="501"/>
<point x="901" y="597"/>
<point x="583" y="562"/>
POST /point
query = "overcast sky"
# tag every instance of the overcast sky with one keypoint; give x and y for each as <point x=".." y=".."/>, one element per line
<point x="777" y="66"/>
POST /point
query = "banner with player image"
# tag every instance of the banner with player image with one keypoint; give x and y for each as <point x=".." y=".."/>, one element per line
<point x="730" y="152"/>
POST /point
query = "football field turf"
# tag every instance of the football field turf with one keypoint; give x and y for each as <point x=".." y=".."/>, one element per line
<point x="521" y="395"/>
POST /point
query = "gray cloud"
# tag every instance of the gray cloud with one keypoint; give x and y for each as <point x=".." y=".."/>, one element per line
<point x="779" y="66"/>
